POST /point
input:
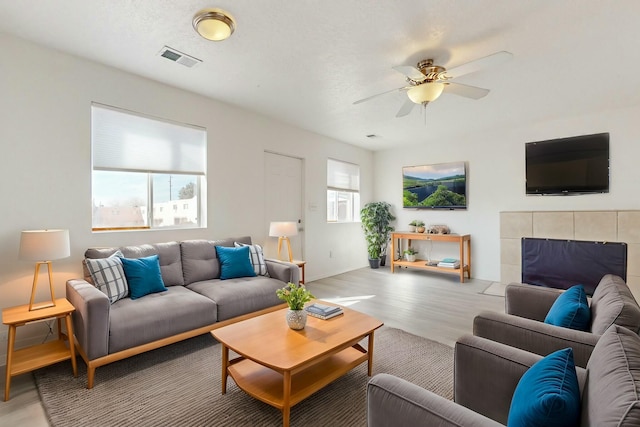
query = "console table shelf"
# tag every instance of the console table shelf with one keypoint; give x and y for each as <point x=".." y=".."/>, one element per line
<point x="464" y="248"/>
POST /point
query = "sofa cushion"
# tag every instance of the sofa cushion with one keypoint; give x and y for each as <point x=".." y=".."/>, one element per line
<point x="570" y="310"/>
<point x="143" y="276"/>
<point x="168" y="253"/>
<point x="108" y="276"/>
<point x="548" y="393"/>
<point x="235" y="297"/>
<point x="157" y="316"/>
<point x="256" y="256"/>
<point x="199" y="259"/>
<point x="234" y="262"/>
<point x="611" y="394"/>
<point x="613" y="303"/>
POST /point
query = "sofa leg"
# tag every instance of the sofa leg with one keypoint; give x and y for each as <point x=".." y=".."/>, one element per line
<point x="91" y="372"/>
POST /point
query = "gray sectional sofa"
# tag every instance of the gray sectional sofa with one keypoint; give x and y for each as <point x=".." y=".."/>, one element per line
<point x="196" y="301"/>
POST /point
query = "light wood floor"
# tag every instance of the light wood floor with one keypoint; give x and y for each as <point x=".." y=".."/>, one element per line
<point x="432" y="305"/>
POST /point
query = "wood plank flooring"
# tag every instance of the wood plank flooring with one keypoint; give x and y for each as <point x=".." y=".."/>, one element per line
<point x="429" y="304"/>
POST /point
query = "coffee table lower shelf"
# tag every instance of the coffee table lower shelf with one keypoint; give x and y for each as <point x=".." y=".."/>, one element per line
<point x="267" y="385"/>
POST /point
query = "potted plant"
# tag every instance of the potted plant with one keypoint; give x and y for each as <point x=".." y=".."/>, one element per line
<point x="412" y="226"/>
<point x="296" y="296"/>
<point x="419" y="226"/>
<point x="376" y="220"/>
<point x="410" y="254"/>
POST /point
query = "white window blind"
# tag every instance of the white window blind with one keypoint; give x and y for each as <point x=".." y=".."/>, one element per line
<point x="343" y="176"/>
<point x="126" y="141"/>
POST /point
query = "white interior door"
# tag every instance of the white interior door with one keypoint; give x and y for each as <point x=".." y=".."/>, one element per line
<point x="283" y="200"/>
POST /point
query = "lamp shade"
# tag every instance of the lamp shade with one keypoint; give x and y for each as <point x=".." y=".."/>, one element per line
<point x="44" y="245"/>
<point x="425" y="92"/>
<point x="214" y="24"/>
<point x="283" y="229"/>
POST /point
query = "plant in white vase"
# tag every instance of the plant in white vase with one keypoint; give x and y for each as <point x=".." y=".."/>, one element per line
<point x="410" y="254"/>
<point x="296" y="296"/>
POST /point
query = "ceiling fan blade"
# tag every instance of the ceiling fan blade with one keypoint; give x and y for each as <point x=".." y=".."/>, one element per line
<point x="406" y="108"/>
<point x="412" y="72"/>
<point x="380" y="94"/>
<point x="473" y="66"/>
<point x="467" y="91"/>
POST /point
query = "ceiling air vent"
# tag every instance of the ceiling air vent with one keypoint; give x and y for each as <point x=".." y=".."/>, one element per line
<point x="179" y="57"/>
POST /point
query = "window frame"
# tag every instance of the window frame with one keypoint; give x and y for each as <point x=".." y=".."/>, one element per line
<point x="344" y="186"/>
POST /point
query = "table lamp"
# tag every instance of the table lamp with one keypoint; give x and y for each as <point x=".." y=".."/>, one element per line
<point x="282" y="230"/>
<point x="43" y="246"/>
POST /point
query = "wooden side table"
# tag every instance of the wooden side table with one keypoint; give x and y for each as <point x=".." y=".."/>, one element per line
<point x="300" y="264"/>
<point x="38" y="356"/>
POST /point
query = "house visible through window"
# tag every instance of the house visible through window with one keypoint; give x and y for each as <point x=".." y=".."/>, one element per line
<point x="142" y="167"/>
<point x="343" y="191"/>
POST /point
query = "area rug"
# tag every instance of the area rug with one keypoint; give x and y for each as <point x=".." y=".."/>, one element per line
<point x="496" y="289"/>
<point x="179" y="385"/>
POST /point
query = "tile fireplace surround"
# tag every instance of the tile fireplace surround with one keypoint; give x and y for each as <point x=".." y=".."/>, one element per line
<point x="597" y="226"/>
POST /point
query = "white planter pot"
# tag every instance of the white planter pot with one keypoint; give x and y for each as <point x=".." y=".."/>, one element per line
<point x="409" y="257"/>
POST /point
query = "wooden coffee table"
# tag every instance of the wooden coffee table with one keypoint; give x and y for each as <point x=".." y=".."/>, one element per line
<point x="281" y="367"/>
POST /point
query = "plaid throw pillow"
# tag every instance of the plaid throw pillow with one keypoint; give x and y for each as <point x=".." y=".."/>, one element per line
<point x="108" y="276"/>
<point x="256" y="256"/>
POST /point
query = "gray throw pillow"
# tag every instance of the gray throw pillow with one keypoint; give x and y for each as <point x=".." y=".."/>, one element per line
<point x="108" y="276"/>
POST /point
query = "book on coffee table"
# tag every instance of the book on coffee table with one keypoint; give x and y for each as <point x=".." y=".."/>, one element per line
<point x="323" y="317"/>
<point x="322" y="309"/>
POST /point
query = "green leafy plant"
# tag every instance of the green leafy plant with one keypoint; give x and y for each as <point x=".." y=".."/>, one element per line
<point x="419" y="223"/>
<point x="410" y="251"/>
<point x="294" y="295"/>
<point x="414" y="222"/>
<point x="376" y="220"/>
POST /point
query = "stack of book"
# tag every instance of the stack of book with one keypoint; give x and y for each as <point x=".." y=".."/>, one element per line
<point x="322" y="311"/>
<point x="449" y="263"/>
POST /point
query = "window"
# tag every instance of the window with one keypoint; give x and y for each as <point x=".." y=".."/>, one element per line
<point x="343" y="191"/>
<point x="141" y="167"/>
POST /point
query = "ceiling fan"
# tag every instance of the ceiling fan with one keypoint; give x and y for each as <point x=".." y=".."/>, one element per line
<point x="426" y="81"/>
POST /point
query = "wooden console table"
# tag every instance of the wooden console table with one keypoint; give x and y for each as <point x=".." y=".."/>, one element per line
<point x="464" y="245"/>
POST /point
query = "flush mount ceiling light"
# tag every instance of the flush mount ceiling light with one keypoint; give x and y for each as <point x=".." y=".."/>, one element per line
<point x="214" y="24"/>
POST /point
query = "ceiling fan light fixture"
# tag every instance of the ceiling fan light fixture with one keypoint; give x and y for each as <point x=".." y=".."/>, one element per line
<point x="425" y="92"/>
<point x="214" y="24"/>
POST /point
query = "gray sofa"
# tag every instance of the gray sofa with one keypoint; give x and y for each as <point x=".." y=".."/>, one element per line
<point x="486" y="374"/>
<point x="526" y="307"/>
<point x="196" y="301"/>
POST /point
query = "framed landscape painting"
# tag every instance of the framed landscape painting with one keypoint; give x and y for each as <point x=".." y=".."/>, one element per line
<point x="437" y="186"/>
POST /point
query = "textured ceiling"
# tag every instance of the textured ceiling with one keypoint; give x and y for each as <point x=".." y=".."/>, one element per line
<point x="305" y="62"/>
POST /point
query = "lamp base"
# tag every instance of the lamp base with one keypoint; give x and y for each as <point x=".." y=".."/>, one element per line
<point x="47" y="304"/>
<point x="280" y="240"/>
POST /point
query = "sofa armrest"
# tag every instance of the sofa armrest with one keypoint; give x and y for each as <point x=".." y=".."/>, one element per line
<point x="486" y="374"/>
<point x="91" y="317"/>
<point x="530" y="301"/>
<point x="536" y="337"/>
<point x="394" y="402"/>
<point x="282" y="270"/>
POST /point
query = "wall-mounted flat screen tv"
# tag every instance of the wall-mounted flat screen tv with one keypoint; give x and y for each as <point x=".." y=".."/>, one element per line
<point x="575" y="165"/>
<point x="439" y="186"/>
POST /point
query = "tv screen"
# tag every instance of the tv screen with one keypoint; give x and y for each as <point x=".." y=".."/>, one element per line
<point x="439" y="186"/>
<point x="576" y="165"/>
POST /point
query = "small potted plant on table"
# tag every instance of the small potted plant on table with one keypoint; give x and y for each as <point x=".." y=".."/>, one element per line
<point x="419" y="226"/>
<point x="410" y="254"/>
<point x="296" y="296"/>
<point x="412" y="226"/>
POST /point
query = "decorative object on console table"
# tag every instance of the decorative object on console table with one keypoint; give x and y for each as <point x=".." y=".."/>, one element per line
<point x="376" y="220"/>
<point x="449" y="263"/>
<point x="419" y="226"/>
<point x="283" y="230"/>
<point x="43" y="246"/>
<point x="410" y="254"/>
<point x="296" y="296"/>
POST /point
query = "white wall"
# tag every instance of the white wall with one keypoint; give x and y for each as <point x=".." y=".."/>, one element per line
<point x="495" y="171"/>
<point x="45" y="167"/>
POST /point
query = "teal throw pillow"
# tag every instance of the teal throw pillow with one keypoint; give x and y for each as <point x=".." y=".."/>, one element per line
<point x="548" y="394"/>
<point x="234" y="262"/>
<point x="143" y="276"/>
<point x="571" y="310"/>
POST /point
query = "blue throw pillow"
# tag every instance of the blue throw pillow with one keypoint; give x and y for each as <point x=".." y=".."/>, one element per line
<point x="143" y="276"/>
<point x="548" y="394"/>
<point x="234" y="262"/>
<point x="571" y="310"/>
